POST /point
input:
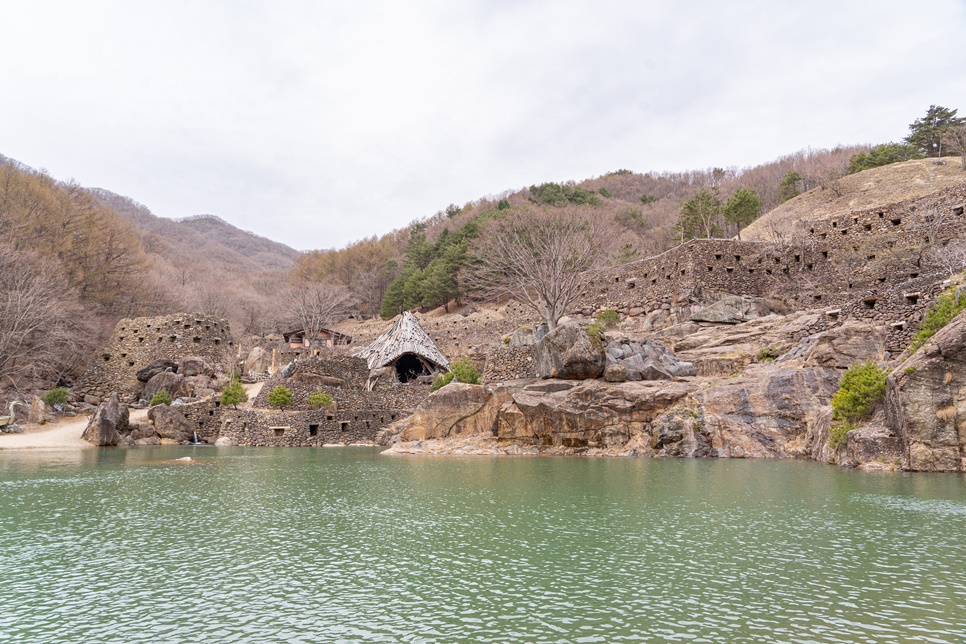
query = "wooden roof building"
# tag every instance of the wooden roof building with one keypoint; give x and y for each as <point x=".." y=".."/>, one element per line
<point x="326" y="337"/>
<point x="407" y="348"/>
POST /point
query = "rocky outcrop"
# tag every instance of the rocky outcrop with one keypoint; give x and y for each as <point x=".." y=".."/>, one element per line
<point x="732" y="309"/>
<point x="455" y="410"/>
<point x="842" y="346"/>
<point x="258" y="362"/>
<point x="569" y="353"/>
<point x="173" y="383"/>
<point x="108" y="423"/>
<point x="590" y="414"/>
<point x="194" y="366"/>
<point x="170" y="423"/>
<point x="144" y="374"/>
<point x="645" y="360"/>
<point x="926" y="402"/>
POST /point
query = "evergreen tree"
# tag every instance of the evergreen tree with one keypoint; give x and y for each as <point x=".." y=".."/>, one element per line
<point x="791" y="186"/>
<point x="882" y="155"/>
<point x="233" y="394"/>
<point x="742" y="208"/>
<point x="926" y="133"/>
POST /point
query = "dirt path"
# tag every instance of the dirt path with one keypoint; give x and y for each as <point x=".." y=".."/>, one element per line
<point x="66" y="432"/>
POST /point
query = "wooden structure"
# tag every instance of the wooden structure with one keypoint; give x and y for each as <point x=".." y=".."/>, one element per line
<point x="299" y="338"/>
<point x="406" y="348"/>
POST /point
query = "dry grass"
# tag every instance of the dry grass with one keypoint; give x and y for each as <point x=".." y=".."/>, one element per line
<point x="876" y="187"/>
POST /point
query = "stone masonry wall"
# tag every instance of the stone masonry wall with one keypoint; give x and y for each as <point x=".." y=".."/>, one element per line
<point x="137" y="342"/>
<point x="880" y="264"/>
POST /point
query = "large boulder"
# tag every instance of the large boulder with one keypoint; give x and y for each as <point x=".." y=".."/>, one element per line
<point x="194" y="366"/>
<point x="145" y="374"/>
<point x="173" y="383"/>
<point x="38" y="411"/>
<point x="170" y="423"/>
<point x="732" y="309"/>
<point x="458" y="409"/>
<point x="108" y="423"/>
<point x="259" y="361"/>
<point x="568" y="352"/>
<point x="646" y="360"/>
<point x="844" y="345"/>
<point x="591" y="414"/>
<point x="926" y="402"/>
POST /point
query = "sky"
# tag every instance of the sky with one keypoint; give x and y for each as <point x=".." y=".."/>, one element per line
<point x="319" y="123"/>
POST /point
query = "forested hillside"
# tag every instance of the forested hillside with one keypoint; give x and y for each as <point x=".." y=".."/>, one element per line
<point x="76" y="260"/>
<point x="430" y="262"/>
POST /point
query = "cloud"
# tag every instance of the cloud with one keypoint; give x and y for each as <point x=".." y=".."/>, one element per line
<point x="318" y="123"/>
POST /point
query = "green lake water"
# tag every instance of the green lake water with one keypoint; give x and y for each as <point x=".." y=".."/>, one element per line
<point x="346" y="545"/>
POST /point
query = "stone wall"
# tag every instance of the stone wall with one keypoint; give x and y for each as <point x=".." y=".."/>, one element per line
<point x="137" y="342"/>
<point x="509" y="363"/>
<point x="273" y="428"/>
<point x="880" y="264"/>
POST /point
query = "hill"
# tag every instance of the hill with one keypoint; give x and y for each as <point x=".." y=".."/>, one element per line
<point x="876" y="187"/>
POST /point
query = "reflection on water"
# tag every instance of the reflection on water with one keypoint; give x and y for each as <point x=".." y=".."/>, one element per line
<point x="301" y="545"/>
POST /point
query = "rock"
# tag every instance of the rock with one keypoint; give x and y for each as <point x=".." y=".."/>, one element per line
<point x="768" y="412"/>
<point x="523" y="337"/>
<point x="732" y="309"/>
<point x="194" y="366"/>
<point x="455" y="410"/>
<point x="926" y="402"/>
<point x="144" y="374"/>
<point x="615" y="373"/>
<point x="224" y="441"/>
<point x="647" y="360"/>
<point x="171" y="382"/>
<point x="569" y="353"/>
<point x="844" y="345"/>
<point x="93" y="401"/>
<point x="259" y="361"/>
<point x="872" y="447"/>
<point x="108" y="423"/>
<point x="170" y="423"/>
<point x="591" y="414"/>
<point x="38" y="411"/>
<point x="150" y="440"/>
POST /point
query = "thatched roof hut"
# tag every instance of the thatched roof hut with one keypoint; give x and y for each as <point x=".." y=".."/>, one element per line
<point x="407" y="348"/>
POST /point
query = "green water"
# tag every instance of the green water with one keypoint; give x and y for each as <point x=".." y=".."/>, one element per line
<point x="327" y="545"/>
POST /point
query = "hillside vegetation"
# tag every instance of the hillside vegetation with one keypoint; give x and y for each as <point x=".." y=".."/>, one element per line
<point x="878" y="186"/>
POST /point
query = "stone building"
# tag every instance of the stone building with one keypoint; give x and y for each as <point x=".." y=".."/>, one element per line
<point x="137" y="342"/>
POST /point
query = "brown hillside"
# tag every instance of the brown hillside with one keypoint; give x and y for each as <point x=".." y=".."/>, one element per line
<point x="876" y="187"/>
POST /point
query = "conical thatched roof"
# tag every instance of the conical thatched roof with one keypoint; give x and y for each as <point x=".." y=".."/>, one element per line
<point x="404" y="336"/>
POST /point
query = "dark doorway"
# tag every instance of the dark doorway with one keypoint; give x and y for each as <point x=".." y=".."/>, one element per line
<point x="409" y="367"/>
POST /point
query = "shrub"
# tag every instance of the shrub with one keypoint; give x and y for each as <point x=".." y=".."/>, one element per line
<point x="945" y="308"/>
<point x="441" y="381"/>
<point x="233" y="394"/>
<point x="461" y="370"/>
<point x="319" y="398"/>
<point x="56" y="396"/>
<point x="607" y="319"/>
<point x="860" y="390"/>
<point x="280" y="397"/>
<point x="161" y="398"/>
<point x="465" y="371"/>
<point x="768" y="354"/>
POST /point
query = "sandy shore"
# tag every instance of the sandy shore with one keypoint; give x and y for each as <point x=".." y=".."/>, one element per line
<point x="64" y="433"/>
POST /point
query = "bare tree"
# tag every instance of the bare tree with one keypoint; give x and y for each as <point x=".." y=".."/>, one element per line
<point x="955" y="140"/>
<point x="315" y="306"/>
<point x="541" y="259"/>
<point x="42" y="328"/>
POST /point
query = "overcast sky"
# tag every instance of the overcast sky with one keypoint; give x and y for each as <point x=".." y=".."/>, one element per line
<point x="318" y="123"/>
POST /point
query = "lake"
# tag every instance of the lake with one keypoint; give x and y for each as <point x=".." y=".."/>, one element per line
<point x="345" y="545"/>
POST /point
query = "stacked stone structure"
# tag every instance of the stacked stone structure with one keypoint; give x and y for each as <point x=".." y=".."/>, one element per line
<point x="882" y="265"/>
<point x="137" y="342"/>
